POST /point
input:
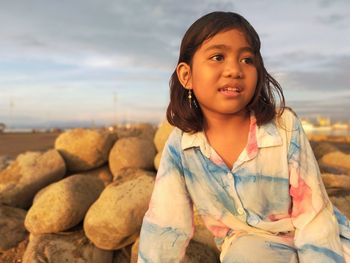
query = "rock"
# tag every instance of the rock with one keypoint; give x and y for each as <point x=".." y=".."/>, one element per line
<point x="12" y="229"/>
<point x="84" y="149"/>
<point x="202" y="234"/>
<point x="15" y="254"/>
<point x="322" y="148"/>
<point x="4" y="161"/>
<point x="341" y="199"/>
<point x="135" y="251"/>
<point x="142" y="130"/>
<point x="63" y="205"/>
<point x="131" y="152"/>
<point x="64" y="247"/>
<point x="122" y="255"/>
<point x="157" y="160"/>
<point x="127" y="174"/>
<point x="115" y="219"/>
<point x="336" y="159"/>
<point x="199" y="253"/>
<point x="103" y="173"/>
<point x="31" y="171"/>
<point x="162" y="135"/>
<point x="336" y="181"/>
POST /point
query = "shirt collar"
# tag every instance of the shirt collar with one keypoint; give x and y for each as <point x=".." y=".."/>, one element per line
<point x="266" y="135"/>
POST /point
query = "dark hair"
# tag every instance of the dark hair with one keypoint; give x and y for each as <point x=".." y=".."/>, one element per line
<point x="190" y="118"/>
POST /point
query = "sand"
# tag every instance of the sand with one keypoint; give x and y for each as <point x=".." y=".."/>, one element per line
<point x="12" y="144"/>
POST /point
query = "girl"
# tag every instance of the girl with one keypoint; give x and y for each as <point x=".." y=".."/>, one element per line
<point x="246" y="167"/>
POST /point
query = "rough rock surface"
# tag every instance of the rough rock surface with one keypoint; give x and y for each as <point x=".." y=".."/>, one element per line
<point x="336" y="159"/>
<point x="15" y="254"/>
<point x="115" y="219"/>
<point x="103" y="173"/>
<point x="63" y="205"/>
<point x="142" y="130"/>
<point x="127" y="174"/>
<point x="131" y="152"/>
<point x="162" y="135"/>
<point x="31" y="171"/>
<point x="84" y="149"/>
<point x="199" y="253"/>
<point x="12" y="229"/>
<point x="157" y="160"/>
<point x="64" y="247"/>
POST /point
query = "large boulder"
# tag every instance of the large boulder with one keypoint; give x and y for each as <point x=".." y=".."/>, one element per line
<point x="162" y="135"/>
<point x="141" y="130"/>
<point x="322" y="148"/>
<point x="336" y="159"/>
<point x="63" y="205"/>
<point x="127" y="174"/>
<point x="199" y="253"/>
<point x="338" y="189"/>
<point x="340" y="181"/>
<point x="31" y="171"/>
<point x="14" y="254"/>
<point x="12" y="229"/>
<point x="132" y="152"/>
<point x="4" y="161"/>
<point x="84" y="149"/>
<point x="103" y="173"/>
<point x="122" y="255"/>
<point x="115" y="219"/>
<point x="64" y="247"/>
<point x="156" y="160"/>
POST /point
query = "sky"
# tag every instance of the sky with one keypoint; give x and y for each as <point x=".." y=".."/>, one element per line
<point x="83" y="62"/>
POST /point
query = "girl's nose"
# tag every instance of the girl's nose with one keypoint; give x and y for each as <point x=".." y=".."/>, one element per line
<point x="233" y="70"/>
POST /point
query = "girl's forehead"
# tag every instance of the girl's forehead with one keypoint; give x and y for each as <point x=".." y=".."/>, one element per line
<point x="227" y="36"/>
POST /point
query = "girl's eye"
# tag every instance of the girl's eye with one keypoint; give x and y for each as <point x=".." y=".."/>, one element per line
<point x="248" y="60"/>
<point x="217" y="58"/>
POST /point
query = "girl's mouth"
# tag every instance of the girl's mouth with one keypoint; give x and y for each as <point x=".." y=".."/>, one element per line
<point x="230" y="91"/>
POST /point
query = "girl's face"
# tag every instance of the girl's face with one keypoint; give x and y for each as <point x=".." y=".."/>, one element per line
<point x="223" y="74"/>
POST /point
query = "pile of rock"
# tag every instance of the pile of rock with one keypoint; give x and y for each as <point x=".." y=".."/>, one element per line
<point x="84" y="200"/>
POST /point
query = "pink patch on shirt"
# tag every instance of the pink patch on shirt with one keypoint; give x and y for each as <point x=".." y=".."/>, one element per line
<point x="301" y="195"/>
<point x="252" y="145"/>
<point x="215" y="158"/>
<point x="218" y="231"/>
<point x="216" y="227"/>
<point x="276" y="217"/>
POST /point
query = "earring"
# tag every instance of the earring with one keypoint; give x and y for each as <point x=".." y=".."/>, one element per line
<point x="189" y="96"/>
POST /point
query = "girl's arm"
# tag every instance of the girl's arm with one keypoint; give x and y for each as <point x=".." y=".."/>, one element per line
<point x="167" y="226"/>
<point x="317" y="231"/>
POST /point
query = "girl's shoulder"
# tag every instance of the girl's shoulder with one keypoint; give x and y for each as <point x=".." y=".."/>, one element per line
<point x="175" y="138"/>
<point x="286" y="118"/>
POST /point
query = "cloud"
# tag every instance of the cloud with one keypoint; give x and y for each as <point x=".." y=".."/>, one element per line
<point x="64" y="51"/>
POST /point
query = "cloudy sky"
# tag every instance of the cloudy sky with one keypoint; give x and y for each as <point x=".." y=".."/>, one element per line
<point x="85" y="62"/>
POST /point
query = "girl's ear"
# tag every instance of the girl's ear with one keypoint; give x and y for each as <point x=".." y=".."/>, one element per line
<point x="183" y="71"/>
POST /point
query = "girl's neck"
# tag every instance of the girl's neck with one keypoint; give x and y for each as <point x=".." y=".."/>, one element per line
<point x="226" y="123"/>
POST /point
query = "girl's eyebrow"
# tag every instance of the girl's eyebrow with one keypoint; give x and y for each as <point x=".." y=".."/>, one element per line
<point x="225" y="47"/>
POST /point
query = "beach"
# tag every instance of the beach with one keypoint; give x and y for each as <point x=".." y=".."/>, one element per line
<point x="12" y="144"/>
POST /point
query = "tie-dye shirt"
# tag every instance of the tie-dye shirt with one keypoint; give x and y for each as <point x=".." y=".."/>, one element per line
<point x="274" y="189"/>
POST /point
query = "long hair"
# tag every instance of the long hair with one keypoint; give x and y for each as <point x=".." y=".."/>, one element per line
<point x="263" y="104"/>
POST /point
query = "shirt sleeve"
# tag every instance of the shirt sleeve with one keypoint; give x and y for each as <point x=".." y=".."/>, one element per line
<point x="316" y="228"/>
<point x="168" y="224"/>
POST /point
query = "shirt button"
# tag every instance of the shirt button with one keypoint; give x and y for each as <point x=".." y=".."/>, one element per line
<point x="240" y="211"/>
